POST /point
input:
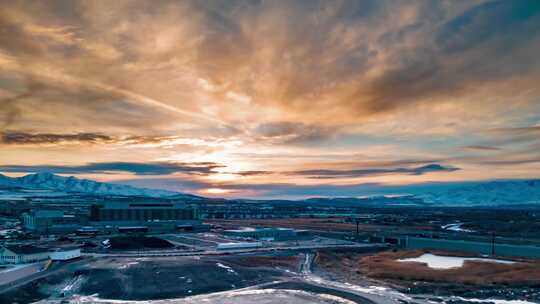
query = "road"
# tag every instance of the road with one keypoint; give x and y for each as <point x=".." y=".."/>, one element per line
<point x="42" y="274"/>
<point x="165" y="253"/>
<point x="162" y="253"/>
<point x="372" y="294"/>
<point x="304" y="281"/>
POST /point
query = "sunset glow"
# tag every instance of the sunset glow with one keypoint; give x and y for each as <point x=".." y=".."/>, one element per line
<point x="215" y="191"/>
<point x="271" y="98"/>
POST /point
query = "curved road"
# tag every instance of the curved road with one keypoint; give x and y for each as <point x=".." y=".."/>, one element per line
<point x="305" y="281"/>
<point x="371" y="294"/>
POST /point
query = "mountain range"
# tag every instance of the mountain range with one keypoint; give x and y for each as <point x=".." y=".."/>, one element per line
<point x="487" y="193"/>
<point x="52" y="182"/>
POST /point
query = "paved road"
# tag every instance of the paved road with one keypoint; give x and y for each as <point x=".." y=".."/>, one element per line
<point x="164" y="253"/>
<point x="19" y="272"/>
<point x="371" y="294"/>
<point x="42" y="274"/>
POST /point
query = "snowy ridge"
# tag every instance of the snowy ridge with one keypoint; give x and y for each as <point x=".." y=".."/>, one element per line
<point x="49" y="181"/>
<point x="504" y="192"/>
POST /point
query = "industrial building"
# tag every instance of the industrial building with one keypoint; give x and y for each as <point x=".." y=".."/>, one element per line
<point x="141" y="211"/>
<point x="51" y="221"/>
<point x="64" y="253"/>
<point x="141" y="217"/>
<point x="23" y="254"/>
<point x="14" y="208"/>
<point x="116" y="217"/>
<point x="264" y="233"/>
<point x="20" y="254"/>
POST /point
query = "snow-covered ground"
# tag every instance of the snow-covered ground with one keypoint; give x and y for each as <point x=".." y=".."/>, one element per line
<point x="456" y="227"/>
<point x="379" y="294"/>
<point x="228" y="268"/>
<point x="261" y="295"/>
<point x="447" y="262"/>
<point x="246" y="296"/>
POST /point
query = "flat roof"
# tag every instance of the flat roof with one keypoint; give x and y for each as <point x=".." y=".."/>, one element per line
<point x="243" y="229"/>
<point x="26" y="249"/>
<point x="145" y="205"/>
<point x="66" y="248"/>
<point x="250" y="229"/>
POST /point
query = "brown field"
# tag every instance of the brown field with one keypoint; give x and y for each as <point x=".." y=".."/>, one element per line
<point x="322" y="224"/>
<point x="287" y="262"/>
<point x="385" y="266"/>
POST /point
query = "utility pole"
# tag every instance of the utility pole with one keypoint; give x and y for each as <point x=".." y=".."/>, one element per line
<point x="357" y="221"/>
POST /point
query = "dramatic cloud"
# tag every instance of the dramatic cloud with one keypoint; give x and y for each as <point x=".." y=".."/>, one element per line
<point x="15" y="138"/>
<point x="321" y="173"/>
<point x="134" y="168"/>
<point x="21" y="138"/>
<point x="480" y="148"/>
<point x="334" y="60"/>
<point x="516" y="135"/>
<point x="356" y="91"/>
<point x="459" y="58"/>
<point x="293" y="133"/>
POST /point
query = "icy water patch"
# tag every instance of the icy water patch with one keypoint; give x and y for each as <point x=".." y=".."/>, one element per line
<point x="447" y="262"/>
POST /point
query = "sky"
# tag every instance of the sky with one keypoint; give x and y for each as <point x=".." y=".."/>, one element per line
<point x="271" y="99"/>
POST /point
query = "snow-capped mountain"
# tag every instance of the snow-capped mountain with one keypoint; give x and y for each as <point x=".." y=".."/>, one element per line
<point x="503" y="192"/>
<point x="490" y="193"/>
<point x="49" y="181"/>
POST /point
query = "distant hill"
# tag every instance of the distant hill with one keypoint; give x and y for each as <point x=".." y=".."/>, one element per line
<point x="492" y="193"/>
<point x="52" y="182"/>
<point x="445" y="194"/>
<point x="372" y="201"/>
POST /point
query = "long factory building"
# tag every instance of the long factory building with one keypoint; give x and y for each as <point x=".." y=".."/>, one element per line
<point x="141" y="211"/>
<point x="140" y="217"/>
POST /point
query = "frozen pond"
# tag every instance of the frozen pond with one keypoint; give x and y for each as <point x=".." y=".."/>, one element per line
<point x="447" y="262"/>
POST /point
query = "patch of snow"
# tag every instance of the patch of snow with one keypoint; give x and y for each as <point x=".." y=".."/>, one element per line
<point x="456" y="227"/>
<point x="447" y="262"/>
<point x="127" y="265"/>
<point x="496" y="301"/>
<point x="228" y="268"/>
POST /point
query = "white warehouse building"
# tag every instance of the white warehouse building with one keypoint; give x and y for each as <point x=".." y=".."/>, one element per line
<point x="65" y="254"/>
<point x="23" y="254"/>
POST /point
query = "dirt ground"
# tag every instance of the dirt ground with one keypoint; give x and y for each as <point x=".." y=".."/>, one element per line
<point x="155" y="278"/>
<point x="138" y="242"/>
<point x="168" y="278"/>
<point x="386" y="266"/>
<point x="284" y="260"/>
<point x="322" y="224"/>
<point x="474" y="279"/>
